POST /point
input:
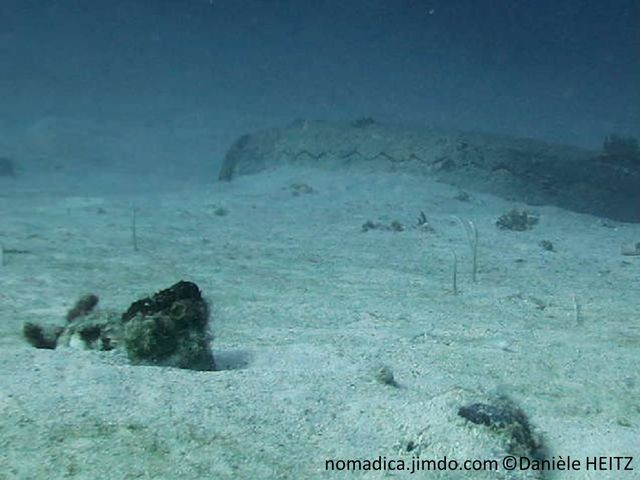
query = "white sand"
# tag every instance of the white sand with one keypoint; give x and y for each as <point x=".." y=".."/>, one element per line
<point x="305" y="306"/>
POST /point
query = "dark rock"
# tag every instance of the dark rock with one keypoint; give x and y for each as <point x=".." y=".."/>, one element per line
<point x="505" y="418"/>
<point x="518" y="220"/>
<point x="298" y="189"/>
<point x="169" y="329"/>
<point x="394" y="226"/>
<point x="462" y="196"/>
<point x="163" y="300"/>
<point x="547" y="245"/>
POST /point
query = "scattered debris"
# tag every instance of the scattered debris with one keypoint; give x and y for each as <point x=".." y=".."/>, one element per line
<point x="394" y="226"/>
<point x="608" y="223"/>
<point x="298" y="189"/>
<point x="517" y="220"/>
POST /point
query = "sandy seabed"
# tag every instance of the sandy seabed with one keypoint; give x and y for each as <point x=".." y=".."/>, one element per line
<point x="306" y="308"/>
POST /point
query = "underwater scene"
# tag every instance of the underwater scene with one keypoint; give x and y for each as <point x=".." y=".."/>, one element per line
<point x="382" y="239"/>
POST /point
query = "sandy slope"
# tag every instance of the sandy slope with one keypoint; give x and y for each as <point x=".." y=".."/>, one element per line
<point x="305" y="307"/>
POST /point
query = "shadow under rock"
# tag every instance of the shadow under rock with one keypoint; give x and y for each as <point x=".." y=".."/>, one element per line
<point x="231" y="359"/>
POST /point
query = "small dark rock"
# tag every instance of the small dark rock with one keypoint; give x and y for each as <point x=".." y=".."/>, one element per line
<point x="503" y="416"/>
<point x="298" y="189"/>
<point x="369" y="225"/>
<point x="384" y="374"/>
<point x="162" y="300"/>
<point x="462" y="196"/>
<point x="394" y="226"/>
<point x="547" y="245"/>
<point x="517" y="220"/>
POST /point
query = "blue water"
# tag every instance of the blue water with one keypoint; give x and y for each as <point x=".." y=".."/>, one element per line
<point x="563" y="71"/>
